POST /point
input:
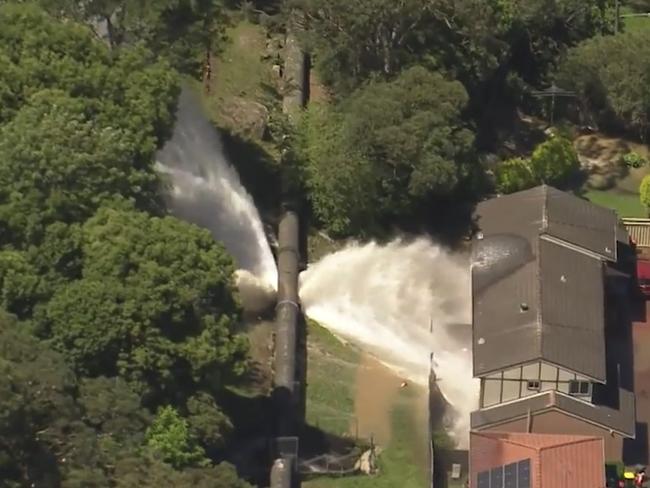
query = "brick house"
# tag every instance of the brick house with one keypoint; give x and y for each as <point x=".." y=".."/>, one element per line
<point x="549" y="329"/>
<point x="519" y="460"/>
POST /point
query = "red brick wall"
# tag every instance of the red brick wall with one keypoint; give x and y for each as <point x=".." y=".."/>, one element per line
<point x="574" y="465"/>
<point x="556" y="422"/>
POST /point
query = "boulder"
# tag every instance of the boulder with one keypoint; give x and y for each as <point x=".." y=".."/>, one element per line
<point x="246" y="117"/>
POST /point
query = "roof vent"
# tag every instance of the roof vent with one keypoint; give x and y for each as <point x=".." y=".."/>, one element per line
<point x="563" y="279"/>
<point x="479" y="235"/>
<point x="608" y="250"/>
<point x="481" y="341"/>
<point x="523" y="307"/>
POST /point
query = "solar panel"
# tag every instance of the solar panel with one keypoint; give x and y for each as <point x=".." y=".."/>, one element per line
<point x="483" y="479"/>
<point x="523" y="474"/>
<point x="496" y="477"/>
<point x="510" y="476"/>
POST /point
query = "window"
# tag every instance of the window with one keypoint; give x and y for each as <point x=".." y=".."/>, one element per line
<point x="515" y="475"/>
<point x="533" y="385"/>
<point x="510" y="476"/>
<point x="483" y="480"/>
<point x="523" y="474"/>
<point x="579" y="388"/>
<point x="496" y="477"/>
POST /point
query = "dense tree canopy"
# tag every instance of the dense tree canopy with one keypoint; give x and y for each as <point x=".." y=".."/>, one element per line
<point x="476" y="40"/>
<point x="59" y="165"/>
<point x="411" y="129"/>
<point x="131" y="90"/>
<point x="56" y="430"/>
<point x="612" y="77"/>
<point x="387" y="148"/>
<point x="181" y="30"/>
<point x="155" y="305"/>
<point x="120" y="311"/>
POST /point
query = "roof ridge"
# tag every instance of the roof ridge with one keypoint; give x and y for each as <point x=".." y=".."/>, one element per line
<point x="505" y="437"/>
<point x="538" y="298"/>
<point x="576" y="440"/>
<point x="538" y="270"/>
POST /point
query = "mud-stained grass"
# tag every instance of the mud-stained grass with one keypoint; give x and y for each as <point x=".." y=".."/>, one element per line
<point x="401" y="463"/>
<point x="331" y="376"/>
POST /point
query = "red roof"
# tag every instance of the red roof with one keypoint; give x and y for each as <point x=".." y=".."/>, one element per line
<point x="557" y="461"/>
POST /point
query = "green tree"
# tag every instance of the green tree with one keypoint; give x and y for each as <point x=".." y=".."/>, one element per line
<point x="58" y="165"/>
<point x="19" y="283"/>
<point x="496" y="48"/>
<point x="355" y="39"/>
<point x="112" y="408"/>
<point x="130" y="89"/>
<point x="342" y="186"/>
<point x="169" y="437"/>
<point x="387" y="149"/>
<point x="207" y="423"/>
<point x="612" y="78"/>
<point x="514" y="175"/>
<point x="156" y="304"/>
<point x="554" y="160"/>
<point x="180" y="30"/>
<point x="58" y="431"/>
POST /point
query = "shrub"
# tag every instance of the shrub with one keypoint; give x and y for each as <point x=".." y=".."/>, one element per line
<point x="514" y="175"/>
<point x="554" y="160"/>
<point x="634" y="160"/>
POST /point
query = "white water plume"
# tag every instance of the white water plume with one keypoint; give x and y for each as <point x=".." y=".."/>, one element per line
<point x="206" y="190"/>
<point x="385" y="299"/>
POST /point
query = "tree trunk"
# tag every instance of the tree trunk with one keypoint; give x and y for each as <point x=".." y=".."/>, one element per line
<point x="110" y="31"/>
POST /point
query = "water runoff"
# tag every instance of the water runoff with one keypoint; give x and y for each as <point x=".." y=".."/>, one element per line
<point x="398" y="301"/>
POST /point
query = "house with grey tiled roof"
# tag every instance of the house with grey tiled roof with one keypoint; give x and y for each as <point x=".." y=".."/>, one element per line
<point x="548" y="300"/>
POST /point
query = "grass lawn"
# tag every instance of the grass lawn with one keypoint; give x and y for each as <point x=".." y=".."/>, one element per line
<point x="626" y="204"/>
<point x="239" y="70"/>
<point x="331" y="372"/>
<point x="632" y="24"/>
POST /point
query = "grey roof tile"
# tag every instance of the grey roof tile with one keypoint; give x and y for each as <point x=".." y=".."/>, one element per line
<point x="535" y="298"/>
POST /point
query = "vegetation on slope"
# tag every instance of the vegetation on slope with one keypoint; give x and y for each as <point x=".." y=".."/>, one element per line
<point x="122" y="336"/>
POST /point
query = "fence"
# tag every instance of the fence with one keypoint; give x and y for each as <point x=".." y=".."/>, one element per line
<point x="430" y="421"/>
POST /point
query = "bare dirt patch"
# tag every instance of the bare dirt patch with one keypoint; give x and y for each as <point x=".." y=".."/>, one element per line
<point x="376" y="391"/>
<point x="602" y="157"/>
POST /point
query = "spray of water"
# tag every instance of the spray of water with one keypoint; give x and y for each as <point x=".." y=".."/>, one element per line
<point x="400" y="302"/>
<point x="206" y="190"/>
<point x="381" y="297"/>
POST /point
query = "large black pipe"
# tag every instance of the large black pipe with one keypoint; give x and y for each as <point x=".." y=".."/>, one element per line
<point x="286" y="389"/>
<point x="288" y="309"/>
